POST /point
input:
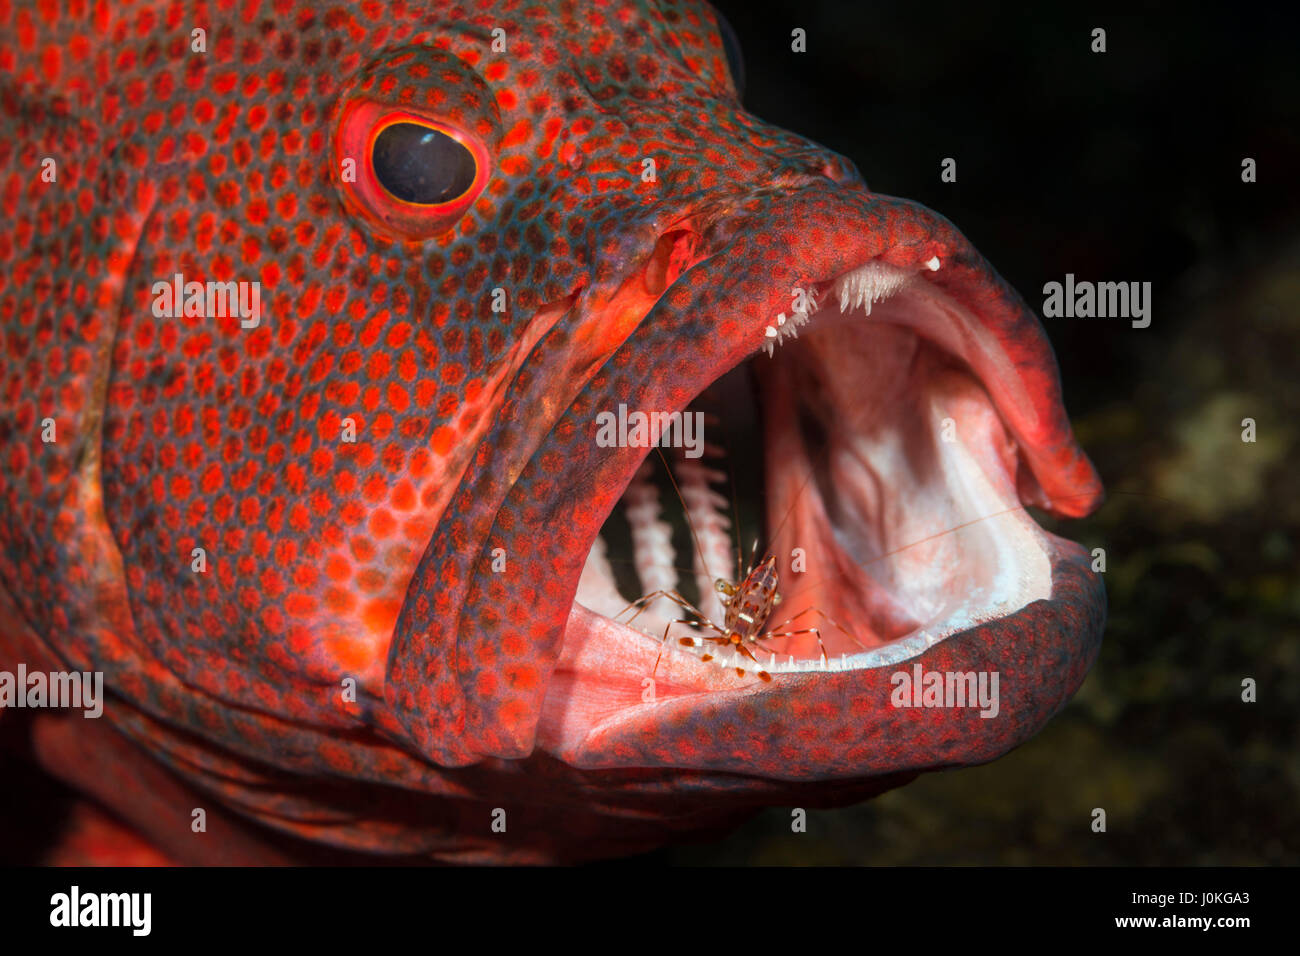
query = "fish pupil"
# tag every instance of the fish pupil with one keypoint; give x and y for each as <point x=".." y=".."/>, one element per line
<point x="419" y="164"/>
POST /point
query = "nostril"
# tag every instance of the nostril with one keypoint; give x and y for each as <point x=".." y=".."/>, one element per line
<point x="814" y="168"/>
<point x="838" y="170"/>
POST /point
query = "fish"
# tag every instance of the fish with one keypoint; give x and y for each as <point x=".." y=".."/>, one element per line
<point x="311" y="314"/>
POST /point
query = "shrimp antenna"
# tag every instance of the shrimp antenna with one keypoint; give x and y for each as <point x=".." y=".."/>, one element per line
<point x="735" y="520"/>
<point x="699" y="550"/>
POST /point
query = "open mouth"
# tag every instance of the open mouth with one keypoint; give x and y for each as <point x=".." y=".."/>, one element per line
<point x="903" y="420"/>
<point x="875" y="470"/>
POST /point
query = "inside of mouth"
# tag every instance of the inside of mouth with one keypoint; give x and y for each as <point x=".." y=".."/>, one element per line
<point x="870" y="463"/>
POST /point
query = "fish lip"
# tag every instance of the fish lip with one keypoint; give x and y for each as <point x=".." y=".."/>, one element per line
<point x="840" y="726"/>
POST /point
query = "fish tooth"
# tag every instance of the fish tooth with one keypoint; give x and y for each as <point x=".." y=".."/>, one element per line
<point x="780" y="319"/>
<point x="933" y="264"/>
<point x="770" y="332"/>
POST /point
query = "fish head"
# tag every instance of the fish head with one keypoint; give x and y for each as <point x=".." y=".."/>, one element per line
<point x="355" y="536"/>
<point x="652" y="236"/>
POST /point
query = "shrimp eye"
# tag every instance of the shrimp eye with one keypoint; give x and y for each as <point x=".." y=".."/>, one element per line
<point x="421" y="164"/>
<point x="413" y="176"/>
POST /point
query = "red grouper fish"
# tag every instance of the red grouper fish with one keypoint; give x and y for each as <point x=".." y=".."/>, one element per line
<point x="315" y="317"/>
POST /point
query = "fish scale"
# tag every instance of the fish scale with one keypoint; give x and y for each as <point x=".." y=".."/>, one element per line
<point x="369" y="564"/>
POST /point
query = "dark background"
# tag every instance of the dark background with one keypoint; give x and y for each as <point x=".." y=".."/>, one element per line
<point x="1123" y="166"/>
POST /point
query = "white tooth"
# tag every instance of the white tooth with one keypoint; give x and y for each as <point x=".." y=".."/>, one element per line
<point x="844" y="296"/>
<point x="771" y="663"/>
<point x="768" y="348"/>
<point x="770" y="332"/>
<point x="780" y="319"/>
<point x="933" y="264"/>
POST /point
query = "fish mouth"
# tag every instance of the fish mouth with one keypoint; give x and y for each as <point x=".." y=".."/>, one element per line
<point x="909" y="414"/>
<point x="898" y="436"/>
<point x="887" y="482"/>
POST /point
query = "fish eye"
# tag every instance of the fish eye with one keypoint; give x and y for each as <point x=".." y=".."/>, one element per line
<point x="412" y="176"/>
<point x="421" y="164"/>
<point x="731" y="47"/>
